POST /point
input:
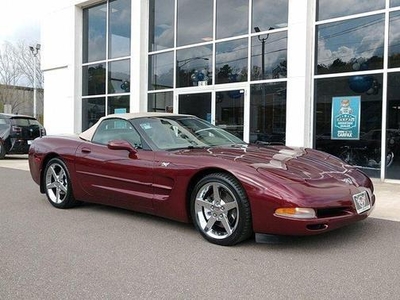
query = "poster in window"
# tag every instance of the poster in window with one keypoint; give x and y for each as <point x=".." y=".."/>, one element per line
<point x="346" y="118"/>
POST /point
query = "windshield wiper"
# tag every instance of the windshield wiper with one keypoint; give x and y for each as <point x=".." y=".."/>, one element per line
<point x="195" y="147"/>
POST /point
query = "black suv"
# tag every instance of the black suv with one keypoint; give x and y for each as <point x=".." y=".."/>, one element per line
<point x="17" y="133"/>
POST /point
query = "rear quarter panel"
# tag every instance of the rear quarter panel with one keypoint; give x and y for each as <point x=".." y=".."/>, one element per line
<point x="45" y="148"/>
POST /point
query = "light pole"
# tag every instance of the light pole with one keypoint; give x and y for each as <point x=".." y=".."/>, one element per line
<point x="262" y="40"/>
<point x="263" y="97"/>
<point x="35" y="51"/>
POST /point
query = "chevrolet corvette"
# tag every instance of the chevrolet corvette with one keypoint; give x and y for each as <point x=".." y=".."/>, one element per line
<point x="183" y="168"/>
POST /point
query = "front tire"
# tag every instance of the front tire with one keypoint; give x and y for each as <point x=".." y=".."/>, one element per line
<point x="58" y="184"/>
<point x="220" y="210"/>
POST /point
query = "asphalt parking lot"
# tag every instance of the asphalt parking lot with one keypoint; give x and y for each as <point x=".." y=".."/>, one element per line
<point x="98" y="252"/>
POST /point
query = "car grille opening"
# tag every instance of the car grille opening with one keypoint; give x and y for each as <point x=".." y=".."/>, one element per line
<point x="332" y="212"/>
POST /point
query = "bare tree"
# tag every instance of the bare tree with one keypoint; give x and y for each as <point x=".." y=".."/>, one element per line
<point x="17" y="78"/>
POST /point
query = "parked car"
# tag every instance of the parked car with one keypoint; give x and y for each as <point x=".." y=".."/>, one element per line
<point x="183" y="168"/>
<point x="17" y="133"/>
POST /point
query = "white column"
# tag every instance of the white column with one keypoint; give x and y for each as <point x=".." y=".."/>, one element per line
<point x="299" y="87"/>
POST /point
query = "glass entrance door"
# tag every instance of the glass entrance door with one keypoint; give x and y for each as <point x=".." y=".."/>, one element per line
<point x="198" y="105"/>
<point x="224" y="108"/>
<point x="229" y="111"/>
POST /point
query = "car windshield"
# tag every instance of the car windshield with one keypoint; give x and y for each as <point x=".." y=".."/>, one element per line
<point x="187" y="132"/>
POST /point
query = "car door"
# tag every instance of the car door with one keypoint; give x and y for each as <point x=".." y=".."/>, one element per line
<point x="120" y="177"/>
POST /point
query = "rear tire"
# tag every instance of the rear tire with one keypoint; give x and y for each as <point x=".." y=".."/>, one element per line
<point x="2" y="150"/>
<point x="220" y="210"/>
<point x="58" y="185"/>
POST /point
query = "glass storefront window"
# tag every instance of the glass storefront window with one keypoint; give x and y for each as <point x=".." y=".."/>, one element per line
<point x="195" y="21"/>
<point x="328" y="9"/>
<point x="106" y="77"/>
<point x="231" y="61"/>
<point x="269" y="14"/>
<point x="94" y="79"/>
<point x="220" y="58"/>
<point x="92" y="110"/>
<point x="268" y="113"/>
<point x="161" y="24"/>
<point x="119" y="76"/>
<point x="269" y="56"/>
<point x="393" y="126"/>
<point x="160" y="102"/>
<point x="119" y="28"/>
<point x="161" y="71"/>
<point x="363" y="149"/>
<point x="94" y="33"/>
<point x="394" y="3"/>
<point x="194" y="66"/>
<point x="118" y="104"/>
<point x="232" y="18"/>
<point x="394" y="40"/>
<point x="352" y="45"/>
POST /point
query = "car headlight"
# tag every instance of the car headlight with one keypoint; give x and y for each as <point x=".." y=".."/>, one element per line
<point x="296" y="212"/>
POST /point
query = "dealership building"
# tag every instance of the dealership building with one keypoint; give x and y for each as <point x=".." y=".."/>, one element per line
<point x="311" y="73"/>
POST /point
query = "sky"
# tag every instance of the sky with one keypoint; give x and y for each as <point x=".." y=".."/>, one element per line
<point x="20" y="20"/>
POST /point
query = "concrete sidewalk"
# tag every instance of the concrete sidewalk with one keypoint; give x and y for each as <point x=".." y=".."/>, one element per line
<point x="387" y="194"/>
<point x="387" y="201"/>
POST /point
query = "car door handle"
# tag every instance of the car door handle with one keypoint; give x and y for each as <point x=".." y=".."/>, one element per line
<point x="86" y="150"/>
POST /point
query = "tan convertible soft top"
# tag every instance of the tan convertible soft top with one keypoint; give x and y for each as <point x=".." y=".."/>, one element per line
<point x="88" y="134"/>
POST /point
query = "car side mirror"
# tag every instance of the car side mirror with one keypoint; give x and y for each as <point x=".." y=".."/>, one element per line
<point x="122" y="145"/>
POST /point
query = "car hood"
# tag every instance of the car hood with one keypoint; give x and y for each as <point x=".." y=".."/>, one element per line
<point x="288" y="163"/>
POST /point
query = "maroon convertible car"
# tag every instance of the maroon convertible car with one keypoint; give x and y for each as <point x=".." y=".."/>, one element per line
<point x="183" y="168"/>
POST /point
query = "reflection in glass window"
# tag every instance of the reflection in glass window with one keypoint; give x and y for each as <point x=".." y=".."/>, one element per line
<point x="232" y="18"/>
<point x="231" y="61"/>
<point x="94" y="33"/>
<point x="394" y="40"/>
<point x="352" y="45"/>
<point x="92" y="110"/>
<point x="328" y="9"/>
<point x="272" y="63"/>
<point x="160" y="102"/>
<point x="119" y="76"/>
<point x="269" y="14"/>
<point x="369" y="88"/>
<point x="268" y="113"/>
<point x="94" y="79"/>
<point x="118" y="104"/>
<point x="393" y="125"/>
<point x="195" y="21"/>
<point x="161" y="24"/>
<point x="161" y="71"/>
<point x="194" y="66"/>
<point x="120" y="28"/>
<point x="394" y="3"/>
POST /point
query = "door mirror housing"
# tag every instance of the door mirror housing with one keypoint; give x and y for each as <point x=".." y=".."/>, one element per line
<point x="122" y="145"/>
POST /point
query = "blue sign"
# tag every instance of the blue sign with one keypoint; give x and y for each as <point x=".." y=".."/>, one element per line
<point x="119" y="110"/>
<point x="346" y="118"/>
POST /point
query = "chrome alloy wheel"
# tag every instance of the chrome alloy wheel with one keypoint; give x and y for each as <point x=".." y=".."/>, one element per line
<point x="56" y="183"/>
<point x="216" y="209"/>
